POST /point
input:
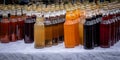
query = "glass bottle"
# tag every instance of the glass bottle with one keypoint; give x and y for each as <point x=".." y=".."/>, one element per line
<point x="29" y="28"/>
<point x="77" y="20"/>
<point x="53" y="18"/>
<point x="105" y="31"/>
<point x="81" y="24"/>
<point x="13" y="23"/>
<point x="20" y="21"/>
<point x="48" y="28"/>
<point x="61" y="22"/>
<point x="0" y="21"/>
<point x="69" y="29"/>
<point x="88" y="30"/>
<point x="39" y="31"/>
<point x="5" y="29"/>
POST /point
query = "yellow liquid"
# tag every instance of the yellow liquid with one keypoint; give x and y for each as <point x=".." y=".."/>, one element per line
<point x="39" y="35"/>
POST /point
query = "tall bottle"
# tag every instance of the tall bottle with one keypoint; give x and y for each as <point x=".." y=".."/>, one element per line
<point x="29" y="28"/>
<point x="61" y="23"/>
<point x="81" y="24"/>
<point x="76" y="11"/>
<point x="39" y="31"/>
<point x="88" y="30"/>
<point x="5" y="28"/>
<point x="48" y="28"/>
<point x="53" y="18"/>
<point x="20" y="20"/>
<point x="13" y="23"/>
<point x="69" y="29"/>
<point x="0" y="21"/>
<point x="105" y="30"/>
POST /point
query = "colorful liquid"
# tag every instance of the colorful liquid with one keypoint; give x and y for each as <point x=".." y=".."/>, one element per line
<point x="29" y="30"/>
<point x="13" y="29"/>
<point x="88" y="34"/>
<point x="105" y="33"/>
<point x="48" y="33"/>
<point x="5" y="30"/>
<point x="39" y="34"/>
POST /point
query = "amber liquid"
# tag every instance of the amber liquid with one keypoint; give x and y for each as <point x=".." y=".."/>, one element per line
<point x="13" y="29"/>
<point x="55" y="31"/>
<point x="5" y="30"/>
<point x="61" y="28"/>
<point x="29" y="30"/>
<point x="48" y="34"/>
<point x="39" y="35"/>
<point x="20" y="31"/>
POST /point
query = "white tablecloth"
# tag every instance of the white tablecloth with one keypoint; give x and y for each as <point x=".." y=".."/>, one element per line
<point x="21" y="51"/>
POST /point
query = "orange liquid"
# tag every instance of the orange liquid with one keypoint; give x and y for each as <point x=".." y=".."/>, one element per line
<point x="69" y="31"/>
<point x="77" y="13"/>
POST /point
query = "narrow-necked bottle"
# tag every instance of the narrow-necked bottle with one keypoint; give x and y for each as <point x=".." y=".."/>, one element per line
<point x="69" y="29"/>
<point x="29" y="28"/>
<point x="20" y="31"/>
<point x="88" y="30"/>
<point x="48" y="28"/>
<point x="81" y="24"/>
<point x="13" y="25"/>
<point x="53" y="18"/>
<point x="39" y="30"/>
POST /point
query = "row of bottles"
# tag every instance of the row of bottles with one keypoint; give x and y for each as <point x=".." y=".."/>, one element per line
<point x="11" y="24"/>
<point x="97" y="25"/>
<point x="110" y="25"/>
<point x="87" y="24"/>
<point x="48" y="29"/>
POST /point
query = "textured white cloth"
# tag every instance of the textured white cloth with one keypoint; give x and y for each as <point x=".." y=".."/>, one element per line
<point x="21" y="51"/>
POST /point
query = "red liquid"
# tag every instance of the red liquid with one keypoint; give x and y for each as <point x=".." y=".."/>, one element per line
<point x="20" y="31"/>
<point x="112" y="31"/>
<point x="0" y="26"/>
<point x="13" y="29"/>
<point x="104" y="33"/>
<point x="119" y="25"/>
<point x="5" y="30"/>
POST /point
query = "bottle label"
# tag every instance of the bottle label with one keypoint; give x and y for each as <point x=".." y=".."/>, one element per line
<point x="29" y="20"/>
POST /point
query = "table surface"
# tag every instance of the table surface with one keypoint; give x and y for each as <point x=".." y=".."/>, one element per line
<point x="21" y="51"/>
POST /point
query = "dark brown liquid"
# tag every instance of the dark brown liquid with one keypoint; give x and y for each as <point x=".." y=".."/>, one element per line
<point x="88" y="34"/>
<point x="29" y="30"/>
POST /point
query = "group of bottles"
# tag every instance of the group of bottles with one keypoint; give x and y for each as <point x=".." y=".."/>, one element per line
<point x="11" y="23"/>
<point x="110" y="25"/>
<point x="73" y="25"/>
<point x="48" y="29"/>
<point x="97" y="25"/>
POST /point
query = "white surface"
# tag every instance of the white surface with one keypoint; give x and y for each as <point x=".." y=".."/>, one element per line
<point x="21" y="51"/>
